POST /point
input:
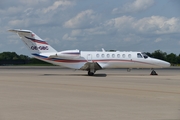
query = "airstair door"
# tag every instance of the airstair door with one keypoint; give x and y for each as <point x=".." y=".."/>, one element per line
<point x="89" y="58"/>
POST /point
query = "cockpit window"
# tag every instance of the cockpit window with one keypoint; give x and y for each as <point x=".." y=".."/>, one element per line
<point x="139" y="55"/>
<point x="145" y="56"/>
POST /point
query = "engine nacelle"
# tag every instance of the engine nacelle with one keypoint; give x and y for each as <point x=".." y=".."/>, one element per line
<point x="69" y="54"/>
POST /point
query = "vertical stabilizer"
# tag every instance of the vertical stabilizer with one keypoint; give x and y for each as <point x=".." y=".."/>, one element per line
<point x="33" y="42"/>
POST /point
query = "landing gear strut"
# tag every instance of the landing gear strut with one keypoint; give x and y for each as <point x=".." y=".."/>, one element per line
<point x="91" y="70"/>
<point x="90" y="73"/>
<point x="153" y="72"/>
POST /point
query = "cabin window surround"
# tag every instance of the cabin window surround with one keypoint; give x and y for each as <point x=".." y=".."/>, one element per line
<point x="102" y="55"/>
<point x="129" y="55"/>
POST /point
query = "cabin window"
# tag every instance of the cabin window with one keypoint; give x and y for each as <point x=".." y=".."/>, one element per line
<point x="118" y="55"/>
<point x="129" y="56"/>
<point x="97" y="55"/>
<point x="102" y="55"/>
<point x="123" y="55"/>
<point x="113" y="56"/>
<point x="108" y="55"/>
<point x="139" y="55"/>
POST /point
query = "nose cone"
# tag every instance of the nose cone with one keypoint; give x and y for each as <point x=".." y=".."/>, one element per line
<point x="163" y="64"/>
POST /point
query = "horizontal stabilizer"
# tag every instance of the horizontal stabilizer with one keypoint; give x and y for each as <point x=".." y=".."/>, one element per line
<point x="19" y="30"/>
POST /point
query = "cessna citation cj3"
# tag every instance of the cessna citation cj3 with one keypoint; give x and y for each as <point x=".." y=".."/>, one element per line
<point x="90" y="61"/>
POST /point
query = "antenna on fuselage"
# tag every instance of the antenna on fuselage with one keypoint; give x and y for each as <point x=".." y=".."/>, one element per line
<point x="103" y="50"/>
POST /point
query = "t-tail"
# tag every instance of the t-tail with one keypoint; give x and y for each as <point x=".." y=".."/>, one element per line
<point x="34" y="42"/>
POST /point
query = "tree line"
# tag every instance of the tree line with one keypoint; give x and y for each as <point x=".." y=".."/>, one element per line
<point x="171" y="58"/>
<point x="11" y="58"/>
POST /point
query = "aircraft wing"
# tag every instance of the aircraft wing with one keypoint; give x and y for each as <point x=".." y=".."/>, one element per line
<point x="91" y="65"/>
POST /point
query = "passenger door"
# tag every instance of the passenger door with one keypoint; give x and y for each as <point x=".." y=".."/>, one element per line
<point x="89" y="58"/>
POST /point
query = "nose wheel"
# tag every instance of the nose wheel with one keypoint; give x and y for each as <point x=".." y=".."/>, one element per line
<point x="153" y="72"/>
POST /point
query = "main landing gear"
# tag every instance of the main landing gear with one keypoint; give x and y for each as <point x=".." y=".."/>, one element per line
<point x="153" y="72"/>
<point x="90" y="73"/>
<point x="91" y="70"/>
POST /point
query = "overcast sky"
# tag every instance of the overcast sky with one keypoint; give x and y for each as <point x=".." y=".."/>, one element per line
<point x="125" y="25"/>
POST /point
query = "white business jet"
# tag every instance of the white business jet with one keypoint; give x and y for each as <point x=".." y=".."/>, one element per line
<point x="90" y="61"/>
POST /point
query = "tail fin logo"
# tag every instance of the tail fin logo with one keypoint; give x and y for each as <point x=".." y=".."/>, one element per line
<point x="32" y="35"/>
<point x="34" y="42"/>
<point x="37" y="41"/>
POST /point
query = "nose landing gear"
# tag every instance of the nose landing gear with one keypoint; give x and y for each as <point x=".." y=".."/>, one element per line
<point x="153" y="72"/>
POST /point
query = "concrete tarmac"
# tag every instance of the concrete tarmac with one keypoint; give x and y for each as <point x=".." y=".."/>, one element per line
<point x="65" y="94"/>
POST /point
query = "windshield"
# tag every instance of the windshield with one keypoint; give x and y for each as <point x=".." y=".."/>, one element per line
<point x="144" y="55"/>
<point x="139" y="55"/>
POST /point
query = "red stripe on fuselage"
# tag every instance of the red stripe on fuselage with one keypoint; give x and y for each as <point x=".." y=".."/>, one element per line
<point x="77" y="61"/>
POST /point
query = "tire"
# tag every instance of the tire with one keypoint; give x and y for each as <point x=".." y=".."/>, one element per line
<point x="90" y="73"/>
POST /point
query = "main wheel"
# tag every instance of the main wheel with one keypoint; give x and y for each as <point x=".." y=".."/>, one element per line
<point x="90" y="73"/>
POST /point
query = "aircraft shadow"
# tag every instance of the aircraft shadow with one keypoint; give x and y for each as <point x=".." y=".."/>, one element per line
<point x="95" y="75"/>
